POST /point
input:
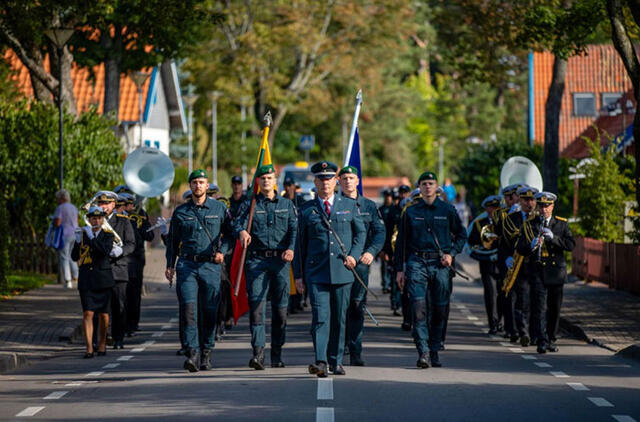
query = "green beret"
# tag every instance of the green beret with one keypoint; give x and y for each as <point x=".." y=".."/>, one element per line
<point x="197" y="174"/>
<point x="427" y="175"/>
<point x="348" y="170"/>
<point x="266" y="169"/>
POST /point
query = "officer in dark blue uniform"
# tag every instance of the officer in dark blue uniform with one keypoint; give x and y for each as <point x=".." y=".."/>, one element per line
<point x="199" y="236"/>
<point x="430" y="236"/>
<point x="270" y="247"/>
<point x="328" y="224"/>
<point x="374" y="242"/>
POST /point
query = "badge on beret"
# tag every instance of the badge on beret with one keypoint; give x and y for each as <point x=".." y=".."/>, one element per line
<point x="266" y="169"/>
<point x="197" y="174"/>
<point x="348" y="170"/>
<point x="427" y="175"/>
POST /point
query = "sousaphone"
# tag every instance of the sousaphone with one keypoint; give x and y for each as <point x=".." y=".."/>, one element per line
<point x="519" y="169"/>
<point x="148" y="172"/>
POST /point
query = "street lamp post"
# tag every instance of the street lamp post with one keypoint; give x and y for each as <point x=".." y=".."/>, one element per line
<point x="59" y="37"/>
<point x="190" y="99"/>
<point x="213" y="96"/>
<point x="243" y="148"/>
<point x="139" y="79"/>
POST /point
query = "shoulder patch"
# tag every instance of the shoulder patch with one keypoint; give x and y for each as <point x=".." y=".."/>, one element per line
<point x="560" y="218"/>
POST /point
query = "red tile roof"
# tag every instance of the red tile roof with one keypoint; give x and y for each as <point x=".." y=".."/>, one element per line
<point x="599" y="71"/>
<point x="87" y="93"/>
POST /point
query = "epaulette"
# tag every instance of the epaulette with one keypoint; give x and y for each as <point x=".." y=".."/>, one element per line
<point x="513" y="212"/>
<point x="123" y="216"/>
<point x="560" y="218"/>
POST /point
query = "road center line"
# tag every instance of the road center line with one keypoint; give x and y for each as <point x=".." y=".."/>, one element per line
<point x="325" y="388"/>
<point x="516" y="350"/>
<point x="506" y="344"/>
<point x="600" y="402"/>
<point x="559" y="374"/>
<point x="94" y="374"/>
<point x="529" y="357"/>
<point x="148" y="343"/>
<point x="125" y="357"/>
<point x="166" y="327"/>
<point x="578" y="386"/>
<point x="324" y="414"/>
<point x="157" y="334"/>
<point x="472" y="318"/>
<point x="31" y="411"/>
<point x="73" y="384"/>
<point x="111" y="365"/>
<point x="478" y="323"/>
<point x="623" y="418"/>
<point x="542" y="364"/>
<point x="55" y="395"/>
<point x="137" y="350"/>
<point x="173" y="320"/>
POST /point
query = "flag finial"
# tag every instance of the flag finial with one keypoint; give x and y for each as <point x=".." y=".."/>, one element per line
<point x="359" y="97"/>
<point x="267" y="119"/>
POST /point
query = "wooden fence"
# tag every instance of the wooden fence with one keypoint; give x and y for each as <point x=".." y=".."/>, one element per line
<point x="615" y="264"/>
<point x="27" y="252"/>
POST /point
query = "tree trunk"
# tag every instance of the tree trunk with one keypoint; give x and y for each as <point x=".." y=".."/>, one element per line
<point x="113" y="46"/>
<point x="68" y="97"/>
<point x="627" y="53"/>
<point x="40" y="91"/>
<point x="552" y="125"/>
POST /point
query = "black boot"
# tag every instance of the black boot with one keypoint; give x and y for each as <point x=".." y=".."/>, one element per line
<point x="205" y="360"/>
<point x="193" y="360"/>
<point x="356" y="360"/>
<point x="435" y="360"/>
<point x="257" y="361"/>
<point x="276" y="357"/>
<point x="422" y="362"/>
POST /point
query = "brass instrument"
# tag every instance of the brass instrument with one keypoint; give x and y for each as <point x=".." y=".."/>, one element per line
<point x="117" y="241"/>
<point x="527" y="231"/>
<point x="488" y="237"/>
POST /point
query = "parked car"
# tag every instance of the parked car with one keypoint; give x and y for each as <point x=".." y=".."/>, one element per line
<point x="301" y="174"/>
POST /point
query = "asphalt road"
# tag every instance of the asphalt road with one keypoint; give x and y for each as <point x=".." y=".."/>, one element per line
<point x="483" y="378"/>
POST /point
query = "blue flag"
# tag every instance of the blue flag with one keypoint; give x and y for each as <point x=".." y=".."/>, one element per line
<point x="353" y="158"/>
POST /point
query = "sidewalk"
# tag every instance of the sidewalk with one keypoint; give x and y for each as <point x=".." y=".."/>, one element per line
<point x="593" y="312"/>
<point x="41" y="322"/>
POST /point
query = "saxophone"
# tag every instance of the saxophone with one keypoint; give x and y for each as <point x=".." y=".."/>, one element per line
<point x="512" y="273"/>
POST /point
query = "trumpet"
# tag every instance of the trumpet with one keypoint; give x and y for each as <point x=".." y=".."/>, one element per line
<point x="106" y="227"/>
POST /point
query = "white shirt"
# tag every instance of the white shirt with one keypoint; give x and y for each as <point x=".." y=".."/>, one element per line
<point x="331" y="199"/>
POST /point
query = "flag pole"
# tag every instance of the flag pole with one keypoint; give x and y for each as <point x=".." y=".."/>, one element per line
<point x="354" y="125"/>
<point x="243" y="257"/>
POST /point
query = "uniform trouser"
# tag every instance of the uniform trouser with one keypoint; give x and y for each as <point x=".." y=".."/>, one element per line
<point x="406" y="306"/>
<point x="447" y="310"/>
<point x="267" y="276"/>
<point x="538" y="307"/>
<point x="134" y="294"/>
<point x="428" y="282"/>
<point x="521" y="305"/>
<point x="490" y="285"/>
<point x="554" y="302"/>
<point x="385" y="274"/>
<point x="329" y="303"/>
<point x="355" y="314"/>
<point x="199" y="294"/>
<point x="395" y="298"/>
<point x="119" y="310"/>
<point x="225" y="309"/>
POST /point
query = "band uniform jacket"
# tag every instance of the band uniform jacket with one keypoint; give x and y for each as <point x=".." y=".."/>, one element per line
<point x="94" y="262"/>
<point x="550" y="259"/>
<point x="321" y="258"/>
<point x="121" y="224"/>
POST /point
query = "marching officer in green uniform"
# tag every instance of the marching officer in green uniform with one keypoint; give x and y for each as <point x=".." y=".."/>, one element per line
<point x="386" y="254"/>
<point x="430" y="236"/>
<point x="289" y="192"/>
<point x="270" y="247"/>
<point x="199" y="235"/>
<point x="551" y="237"/>
<point x="331" y="238"/>
<point x="374" y="242"/>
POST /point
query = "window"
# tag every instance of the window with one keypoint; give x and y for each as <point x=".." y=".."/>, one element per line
<point x="609" y="98"/>
<point x="584" y="104"/>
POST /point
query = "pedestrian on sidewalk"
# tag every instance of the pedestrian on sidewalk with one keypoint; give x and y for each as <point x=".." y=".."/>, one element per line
<point x="66" y="215"/>
<point x="93" y="248"/>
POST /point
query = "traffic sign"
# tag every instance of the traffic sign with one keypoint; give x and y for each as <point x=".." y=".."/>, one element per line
<point x="307" y="142"/>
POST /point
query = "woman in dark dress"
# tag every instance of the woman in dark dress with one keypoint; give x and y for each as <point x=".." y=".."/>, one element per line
<point x="92" y="250"/>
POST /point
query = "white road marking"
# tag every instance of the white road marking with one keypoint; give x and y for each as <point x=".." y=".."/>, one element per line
<point x="73" y="384"/>
<point x="148" y="343"/>
<point x="461" y="305"/>
<point x="111" y="365"/>
<point x="125" y="357"/>
<point x="137" y="350"/>
<point x="623" y="418"/>
<point x="542" y="364"/>
<point x="600" y="402"/>
<point x="529" y="357"/>
<point x="325" y="388"/>
<point x="478" y="323"/>
<point x="94" y="374"/>
<point x="31" y="411"/>
<point x="578" y="386"/>
<point x="173" y="320"/>
<point x="55" y="395"/>
<point x="166" y="327"/>
<point x="324" y="414"/>
<point x="157" y="334"/>
<point x="506" y="344"/>
<point x="516" y="350"/>
<point x="472" y="318"/>
<point x="559" y="374"/>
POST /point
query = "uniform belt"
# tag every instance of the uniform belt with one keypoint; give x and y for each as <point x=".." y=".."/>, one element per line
<point x="426" y="255"/>
<point x="266" y="253"/>
<point x="198" y="258"/>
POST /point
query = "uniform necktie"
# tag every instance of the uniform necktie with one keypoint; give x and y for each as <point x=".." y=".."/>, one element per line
<point x="546" y="223"/>
<point x="327" y="207"/>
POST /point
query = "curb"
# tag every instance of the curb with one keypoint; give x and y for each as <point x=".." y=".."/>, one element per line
<point x="578" y="332"/>
<point x="10" y="361"/>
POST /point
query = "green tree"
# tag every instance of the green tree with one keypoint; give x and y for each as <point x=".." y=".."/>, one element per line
<point x="602" y="195"/>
